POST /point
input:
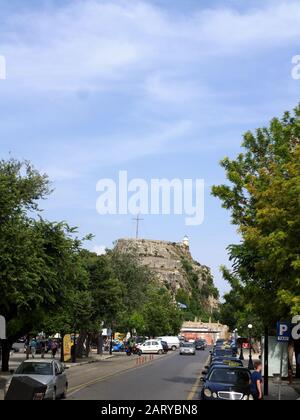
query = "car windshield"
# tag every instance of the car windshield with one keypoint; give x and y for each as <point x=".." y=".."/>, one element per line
<point x="32" y="368"/>
<point x="189" y="345"/>
<point x="230" y="376"/>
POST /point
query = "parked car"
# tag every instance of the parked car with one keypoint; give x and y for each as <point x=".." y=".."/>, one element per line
<point x="165" y="346"/>
<point x="227" y="383"/>
<point x="228" y="361"/>
<point x="222" y="362"/>
<point x="187" y="349"/>
<point x="48" y="372"/>
<point x="218" y="352"/>
<point x="173" y="342"/>
<point x="151" y="346"/>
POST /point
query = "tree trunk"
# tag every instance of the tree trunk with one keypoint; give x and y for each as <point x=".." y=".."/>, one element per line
<point x="100" y="344"/>
<point x="62" y="350"/>
<point x="87" y="345"/>
<point x="6" y="347"/>
<point x="80" y="344"/>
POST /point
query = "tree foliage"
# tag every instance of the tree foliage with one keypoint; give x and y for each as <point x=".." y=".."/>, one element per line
<point x="263" y="197"/>
<point x="50" y="282"/>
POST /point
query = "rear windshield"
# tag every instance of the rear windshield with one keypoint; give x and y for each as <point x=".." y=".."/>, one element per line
<point x="187" y="345"/>
<point x="230" y="376"/>
<point x="35" y="369"/>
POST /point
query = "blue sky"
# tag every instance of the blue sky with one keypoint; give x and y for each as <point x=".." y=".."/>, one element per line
<point x="161" y="88"/>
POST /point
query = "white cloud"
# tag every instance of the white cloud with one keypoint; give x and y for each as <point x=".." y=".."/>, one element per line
<point x="99" y="249"/>
<point x="99" y="44"/>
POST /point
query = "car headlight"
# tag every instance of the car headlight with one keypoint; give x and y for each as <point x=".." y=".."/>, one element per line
<point x="245" y="397"/>
<point x="215" y="395"/>
<point x="251" y="398"/>
<point x="208" y="393"/>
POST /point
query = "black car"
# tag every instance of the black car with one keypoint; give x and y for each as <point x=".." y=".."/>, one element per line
<point x="165" y="346"/>
<point x="227" y="383"/>
<point x="200" y="345"/>
<point x="230" y="362"/>
<point x="218" y="352"/>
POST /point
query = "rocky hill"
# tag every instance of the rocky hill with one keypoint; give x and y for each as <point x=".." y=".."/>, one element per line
<point x="176" y="269"/>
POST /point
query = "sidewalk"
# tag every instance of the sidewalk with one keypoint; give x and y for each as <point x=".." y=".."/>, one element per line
<point x="288" y="392"/>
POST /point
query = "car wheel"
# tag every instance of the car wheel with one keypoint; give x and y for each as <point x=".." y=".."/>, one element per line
<point x="174" y="348"/>
<point x="64" y="394"/>
<point x="53" y="397"/>
<point x="160" y="351"/>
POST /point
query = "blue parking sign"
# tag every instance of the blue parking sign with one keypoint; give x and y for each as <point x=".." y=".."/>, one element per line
<point x="283" y="331"/>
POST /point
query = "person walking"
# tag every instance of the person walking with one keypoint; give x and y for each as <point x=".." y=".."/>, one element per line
<point x="27" y="348"/>
<point x="43" y="348"/>
<point x="54" y="349"/>
<point x="256" y="381"/>
<point x="33" y="345"/>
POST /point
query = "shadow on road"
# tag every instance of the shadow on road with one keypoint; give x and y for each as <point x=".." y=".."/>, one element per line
<point x="180" y="379"/>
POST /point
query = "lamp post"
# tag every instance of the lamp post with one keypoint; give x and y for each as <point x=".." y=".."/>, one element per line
<point x="235" y="335"/>
<point x="242" y="350"/>
<point x="250" y="365"/>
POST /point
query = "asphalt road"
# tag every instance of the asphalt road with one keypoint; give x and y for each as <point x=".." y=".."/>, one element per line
<point x="171" y="377"/>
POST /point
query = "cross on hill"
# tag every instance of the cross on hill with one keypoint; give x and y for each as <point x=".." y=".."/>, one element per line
<point x="137" y="220"/>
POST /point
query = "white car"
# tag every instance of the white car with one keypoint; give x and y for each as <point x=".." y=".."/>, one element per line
<point x="187" y="348"/>
<point x="48" y="372"/>
<point x="151" y="346"/>
<point x="173" y="342"/>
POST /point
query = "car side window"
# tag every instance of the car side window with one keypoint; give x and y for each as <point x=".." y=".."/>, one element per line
<point x="155" y="343"/>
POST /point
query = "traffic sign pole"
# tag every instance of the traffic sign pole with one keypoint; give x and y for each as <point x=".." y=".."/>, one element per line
<point x="266" y="362"/>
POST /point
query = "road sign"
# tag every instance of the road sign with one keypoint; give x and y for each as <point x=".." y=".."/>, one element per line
<point x="2" y="328"/>
<point x="296" y="328"/>
<point x="283" y="331"/>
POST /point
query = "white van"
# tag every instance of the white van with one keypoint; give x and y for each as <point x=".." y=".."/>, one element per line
<point x="173" y="342"/>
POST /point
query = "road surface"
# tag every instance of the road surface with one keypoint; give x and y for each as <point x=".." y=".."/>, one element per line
<point x="171" y="377"/>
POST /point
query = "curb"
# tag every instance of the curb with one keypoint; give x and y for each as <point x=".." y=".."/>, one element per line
<point x="88" y="362"/>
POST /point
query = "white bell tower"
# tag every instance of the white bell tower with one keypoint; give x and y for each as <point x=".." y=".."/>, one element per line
<point x="186" y="241"/>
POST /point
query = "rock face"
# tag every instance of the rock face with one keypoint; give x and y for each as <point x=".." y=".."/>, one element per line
<point x="170" y="261"/>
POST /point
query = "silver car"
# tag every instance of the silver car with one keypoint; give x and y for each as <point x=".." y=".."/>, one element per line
<point x="48" y="372"/>
<point x="187" y="348"/>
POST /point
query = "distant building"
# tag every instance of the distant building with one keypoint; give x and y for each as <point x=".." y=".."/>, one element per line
<point x="210" y="331"/>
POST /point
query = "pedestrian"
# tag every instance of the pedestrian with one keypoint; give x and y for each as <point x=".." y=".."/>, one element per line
<point x="27" y="348"/>
<point x="53" y="349"/>
<point x="43" y="348"/>
<point x="33" y="345"/>
<point x="256" y="381"/>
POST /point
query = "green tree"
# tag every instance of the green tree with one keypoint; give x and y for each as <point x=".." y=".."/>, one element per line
<point x="161" y="313"/>
<point x="38" y="259"/>
<point x="263" y="198"/>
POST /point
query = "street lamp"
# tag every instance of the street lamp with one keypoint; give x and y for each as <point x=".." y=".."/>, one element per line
<point x="250" y="365"/>
<point x="241" y="343"/>
<point x="235" y="335"/>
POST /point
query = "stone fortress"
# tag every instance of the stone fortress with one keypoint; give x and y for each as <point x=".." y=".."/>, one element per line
<point x="165" y="259"/>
